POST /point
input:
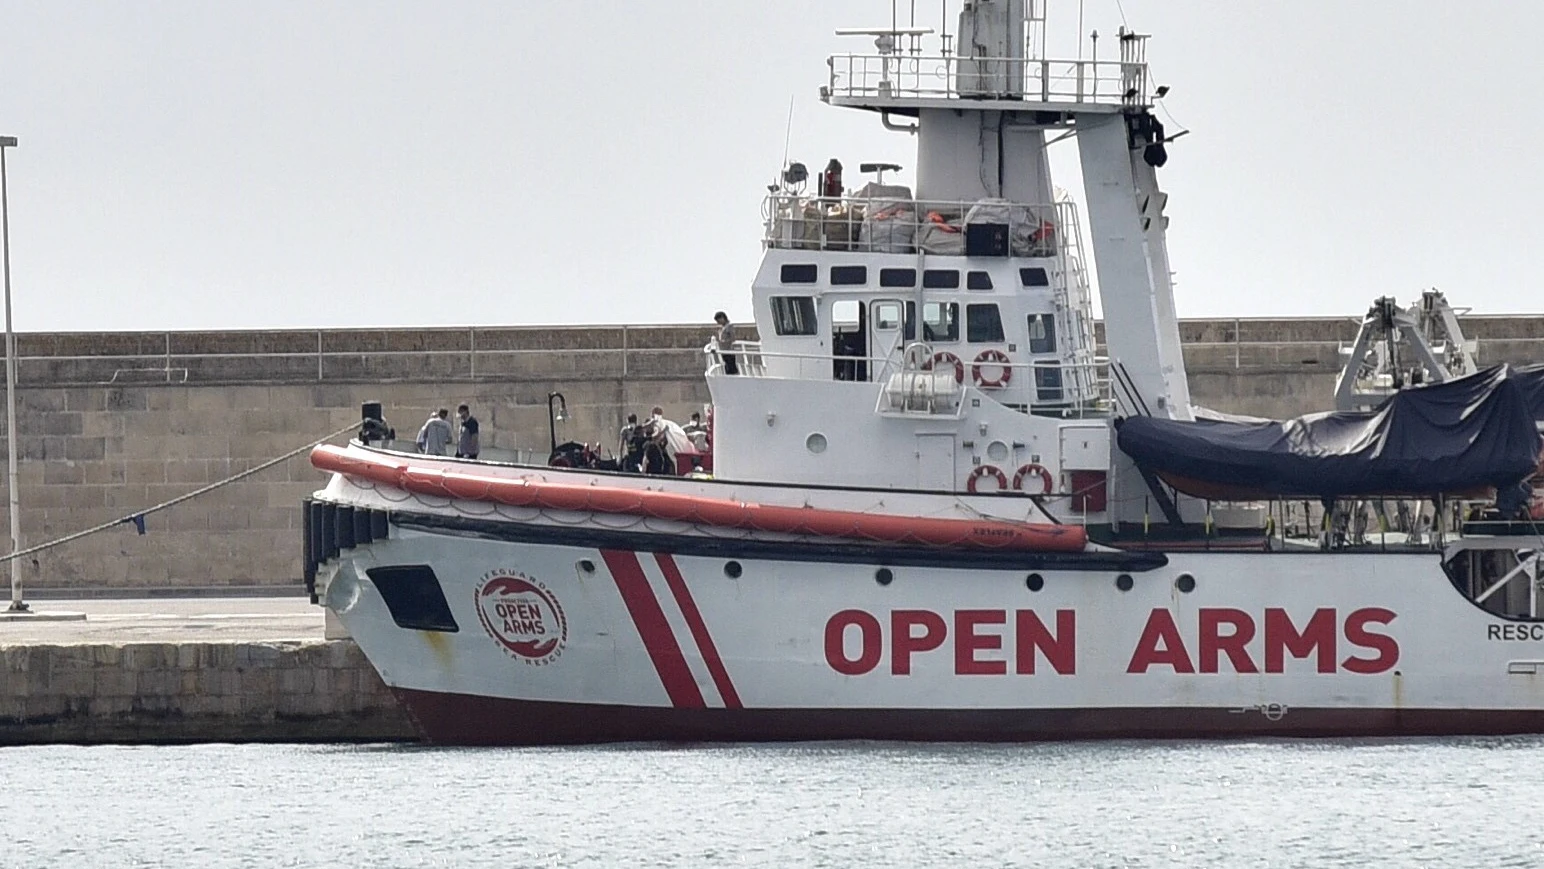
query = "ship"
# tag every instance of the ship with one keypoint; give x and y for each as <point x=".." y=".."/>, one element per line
<point x="934" y="506"/>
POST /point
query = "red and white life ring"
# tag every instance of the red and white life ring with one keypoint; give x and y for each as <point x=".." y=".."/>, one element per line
<point x="986" y="471"/>
<point x="945" y="356"/>
<point x="1033" y="469"/>
<point x="991" y="357"/>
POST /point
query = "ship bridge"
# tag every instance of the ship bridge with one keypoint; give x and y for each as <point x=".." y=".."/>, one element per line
<point x="944" y="311"/>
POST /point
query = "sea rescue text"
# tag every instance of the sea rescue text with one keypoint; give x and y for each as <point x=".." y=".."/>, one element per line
<point x="986" y="642"/>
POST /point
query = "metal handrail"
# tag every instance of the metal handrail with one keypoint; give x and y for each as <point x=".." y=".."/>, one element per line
<point x="712" y="348"/>
<point x="899" y="225"/>
<point x="752" y="363"/>
<point x="939" y="76"/>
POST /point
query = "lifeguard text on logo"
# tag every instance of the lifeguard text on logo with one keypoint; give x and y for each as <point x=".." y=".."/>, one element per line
<point x="523" y="615"/>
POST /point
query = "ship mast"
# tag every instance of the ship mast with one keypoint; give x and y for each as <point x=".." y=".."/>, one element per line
<point x="984" y="104"/>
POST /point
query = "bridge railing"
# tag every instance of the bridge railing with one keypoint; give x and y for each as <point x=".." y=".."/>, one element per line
<point x="899" y="76"/>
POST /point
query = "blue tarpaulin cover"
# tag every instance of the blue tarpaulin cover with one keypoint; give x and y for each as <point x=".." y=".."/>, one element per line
<point x="1460" y="436"/>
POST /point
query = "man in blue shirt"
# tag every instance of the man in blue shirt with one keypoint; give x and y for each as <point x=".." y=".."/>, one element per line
<point x="467" y="445"/>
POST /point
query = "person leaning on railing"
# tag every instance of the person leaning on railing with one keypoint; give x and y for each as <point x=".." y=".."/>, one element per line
<point x="726" y="343"/>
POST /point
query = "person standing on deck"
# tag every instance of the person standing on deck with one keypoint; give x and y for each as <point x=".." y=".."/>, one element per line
<point x="626" y="435"/>
<point x="436" y="435"/>
<point x="697" y="432"/>
<point x="467" y="446"/>
<point x="726" y="343"/>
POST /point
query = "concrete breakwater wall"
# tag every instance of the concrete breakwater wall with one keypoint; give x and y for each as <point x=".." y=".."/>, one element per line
<point x="111" y="423"/>
<point x="299" y="690"/>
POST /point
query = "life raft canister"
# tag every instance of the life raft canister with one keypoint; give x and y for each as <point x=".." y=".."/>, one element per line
<point x="944" y="356"/>
<point x="986" y="471"/>
<point x="991" y="357"/>
<point x="1033" y="469"/>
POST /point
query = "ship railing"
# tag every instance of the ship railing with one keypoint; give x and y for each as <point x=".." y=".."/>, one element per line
<point x="747" y="356"/>
<point x="1069" y="389"/>
<point x="877" y="220"/>
<point x="912" y="77"/>
<point x="752" y="361"/>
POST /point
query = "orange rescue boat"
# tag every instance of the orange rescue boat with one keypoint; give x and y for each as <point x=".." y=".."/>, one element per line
<point x="468" y="485"/>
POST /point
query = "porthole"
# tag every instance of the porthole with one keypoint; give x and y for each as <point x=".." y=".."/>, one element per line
<point x="1124" y="582"/>
<point x="1185" y="583"/>
<point x="883" y="576"/>
<point x="586" y="565"/>
<point x="815" y="443"/>
<point x="732" y="569"/>
<point x="1034" y="582"/>
<point x="997" y="451"/>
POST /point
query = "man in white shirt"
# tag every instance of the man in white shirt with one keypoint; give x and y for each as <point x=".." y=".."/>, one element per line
<point x="436" y="434"/>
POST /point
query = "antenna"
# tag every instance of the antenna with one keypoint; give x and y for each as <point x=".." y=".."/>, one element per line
<point x="1080" y="29"/>
<point x="943" y="29"/>
<point x="788" y="133"/>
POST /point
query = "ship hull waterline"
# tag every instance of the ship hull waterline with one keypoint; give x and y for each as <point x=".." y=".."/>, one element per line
<point x="462" y="719"/>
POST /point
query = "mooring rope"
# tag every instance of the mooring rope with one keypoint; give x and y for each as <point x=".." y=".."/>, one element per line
<point x="137" y="519"/>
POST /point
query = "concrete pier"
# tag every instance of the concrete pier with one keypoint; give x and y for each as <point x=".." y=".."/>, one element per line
<point x="190" y="670"/>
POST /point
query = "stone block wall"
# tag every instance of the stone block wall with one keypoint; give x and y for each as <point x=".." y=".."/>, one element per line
<point x="194" y="692"/>
<point x="113" y="423"/>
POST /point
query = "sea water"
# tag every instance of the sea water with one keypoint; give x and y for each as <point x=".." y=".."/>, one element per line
<point x="1456" y="802"/>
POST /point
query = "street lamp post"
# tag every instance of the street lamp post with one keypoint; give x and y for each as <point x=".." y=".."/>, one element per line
<point x="12" y="486"/>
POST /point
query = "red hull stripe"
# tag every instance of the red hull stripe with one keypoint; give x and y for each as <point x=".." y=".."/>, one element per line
<point x="653" y="629"/>
<point x="699" y="628"/>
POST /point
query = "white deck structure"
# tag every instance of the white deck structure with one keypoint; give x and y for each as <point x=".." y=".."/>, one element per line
<point x="950" y="328"/>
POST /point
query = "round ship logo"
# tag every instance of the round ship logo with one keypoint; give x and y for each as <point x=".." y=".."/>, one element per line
<point x="523" y="615"/>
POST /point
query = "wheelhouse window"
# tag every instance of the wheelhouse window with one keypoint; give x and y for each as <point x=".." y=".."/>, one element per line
<point x="978" y="281"/>
<point x="794" y="315"/>
<point x="846" y="314"/>
<point x="1034" y="276"/>
<point x="941" y="279"/>
<point x="846" y="276"/>
<point x="897" y="277"/>
<point x="940" y="321"/>
<point x="983" y="325"/>
<point x="1042" y="333"/>
<point x="887" y="315"/>
<point x="800" y="273"/>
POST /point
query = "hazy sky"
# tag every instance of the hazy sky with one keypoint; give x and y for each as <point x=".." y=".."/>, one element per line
<point x="239" y="164"/>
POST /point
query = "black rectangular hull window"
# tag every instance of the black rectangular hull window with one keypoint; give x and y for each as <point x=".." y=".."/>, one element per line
<point x="413" y="596"/>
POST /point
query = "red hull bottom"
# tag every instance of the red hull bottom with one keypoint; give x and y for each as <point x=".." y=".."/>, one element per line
<point x="462" y="719"/>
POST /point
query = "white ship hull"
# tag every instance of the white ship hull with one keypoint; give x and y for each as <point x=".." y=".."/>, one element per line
<point x="637" y="634"/>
